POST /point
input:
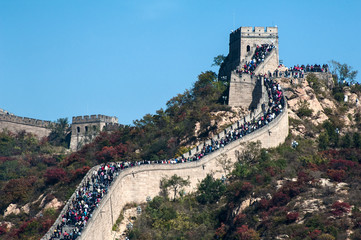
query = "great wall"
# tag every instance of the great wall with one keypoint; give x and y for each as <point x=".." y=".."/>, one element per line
<point x="138" y="183"/>
<point x="83" y="128"/>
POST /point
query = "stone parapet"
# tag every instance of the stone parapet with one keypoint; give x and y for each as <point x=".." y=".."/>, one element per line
<point x="25" y="121"/>
<point x="94" y="119"/>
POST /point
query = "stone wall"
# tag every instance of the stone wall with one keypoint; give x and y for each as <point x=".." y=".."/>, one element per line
<point x="16" y="124"/>
<point x="85" y="128"/>
<point x="137" y="183"/>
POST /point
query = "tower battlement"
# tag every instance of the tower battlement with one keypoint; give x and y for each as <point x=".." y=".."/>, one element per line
<point x="243" y="43"/>
<point x="85" y="128"/>
<point x="94" y="119"/>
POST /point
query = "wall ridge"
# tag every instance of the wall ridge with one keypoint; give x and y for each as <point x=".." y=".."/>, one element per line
<point x="26" y="121"/>
<point x="204" y="163"/>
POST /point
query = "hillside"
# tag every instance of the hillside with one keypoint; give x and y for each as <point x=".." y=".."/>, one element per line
<point x="39" y="176"/>
<point x="307" y="188"/>
<point x="288" y="192"/>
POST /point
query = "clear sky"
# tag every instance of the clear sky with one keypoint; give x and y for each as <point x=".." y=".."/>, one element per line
<point x="128" y="58"/>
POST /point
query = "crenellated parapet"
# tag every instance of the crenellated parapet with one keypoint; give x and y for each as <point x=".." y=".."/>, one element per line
<point x="25" y="121"/>
<point x="244" y="45"/>
<point x="85" y="128"/>
<point x="94" y="119"/>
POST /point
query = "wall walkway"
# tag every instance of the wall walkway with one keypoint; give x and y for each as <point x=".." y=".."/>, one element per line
<point x="137" y="183"/>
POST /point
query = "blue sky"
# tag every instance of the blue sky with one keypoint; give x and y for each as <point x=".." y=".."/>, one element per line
<point x="127" y="58"/>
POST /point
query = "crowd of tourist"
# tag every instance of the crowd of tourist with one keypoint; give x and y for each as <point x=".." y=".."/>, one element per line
<point x="299" y="71"/>
<point x="93" y="189"/>
<point x="87" y="199"/>
<point x="258" y="57"/>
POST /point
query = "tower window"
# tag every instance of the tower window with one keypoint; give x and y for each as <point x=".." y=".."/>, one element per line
<point x="78" y="129"/>
<point x="248" y="48"/>
<point x="86" y="128"/>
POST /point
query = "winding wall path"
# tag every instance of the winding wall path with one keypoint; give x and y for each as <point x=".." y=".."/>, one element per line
<point x="145" y="182"/>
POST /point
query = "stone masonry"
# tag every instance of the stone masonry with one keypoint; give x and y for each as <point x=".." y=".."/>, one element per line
<point x="146" y="179"/>
<point x="85" y="128"/>
<point x="242" y="45"/>
<point x="17" y="124"/>
<point x="137" y="183"/>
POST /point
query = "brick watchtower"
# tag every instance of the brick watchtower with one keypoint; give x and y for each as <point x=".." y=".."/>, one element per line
<point x="242" y="46"/>
<point x="85" y="128"/>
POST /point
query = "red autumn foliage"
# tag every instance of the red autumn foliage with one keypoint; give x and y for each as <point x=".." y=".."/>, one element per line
<point x="3" y="228"/>
<point x="5" y="159"/>
<point x="80" y="172"/>
<point x="264" y="203"/>
<point x="106" y="154"/>
<point x="18" y="189"/>
<point x="54" y="175"/>
<point x="74" y="157"/>
<point x="247" y="187"/>
<point x="336" y="175"/>
<point x="340" y="208"/>
<point x="292" y="217"/>
<point x="303" y="177"/>
<point x="50" y="161"/>
<point x="342" y="164"/>
<point x="291" y="189"/>
<point x="221" y="231"/>
<point x="245" y="233"/>
<point x="314" y="234"/>
<point x="239" y="218"/>
<point x="46" y="224"/>
<point x="280" y="199"/>
<point x="259" y="179"/>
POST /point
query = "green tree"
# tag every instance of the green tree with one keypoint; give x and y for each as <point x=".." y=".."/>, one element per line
<point x="357" y="140"/>
<point x="210" y="190"/>
<point x="217" y="61"/>
<point x="343" y="72"/>
<point x="346" y="141"/>
<point x="59" y="134"/>
<point x="323" y="141"/>
<point x="175" y="183"/>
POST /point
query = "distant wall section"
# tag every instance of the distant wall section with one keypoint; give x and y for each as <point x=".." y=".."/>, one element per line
<point x="17" y="124"/>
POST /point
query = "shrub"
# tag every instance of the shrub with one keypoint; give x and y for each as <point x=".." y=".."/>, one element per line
<point x="54" y="175"/>
<point x="292" y="217"/>
<point x="340" y="208"/>
<point x="336" y="175"/>
<point x="210" y="190"/>
<point x="315" y="233"/>
<point x="3" y="228"/>
<point x="304" y="110"/>
<point x="326" y="236"/>
<point x="339" y="97"/>
<point x="221" y="231"/>
<point x="245" y="233"/>
<point x="280" y="199"/>
<point x="80" y="172"/>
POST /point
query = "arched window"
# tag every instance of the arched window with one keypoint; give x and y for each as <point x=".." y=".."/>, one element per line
<point x="248" y="48"/>
<point x="78" y="129"/>
<point x="86" y="128"/>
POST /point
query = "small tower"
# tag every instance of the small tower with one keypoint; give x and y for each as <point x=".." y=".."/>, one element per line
<point x="85" y="128"/>
<point x="242" y="46"/>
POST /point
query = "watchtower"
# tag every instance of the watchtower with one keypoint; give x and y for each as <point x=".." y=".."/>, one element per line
<point x="243" y="43"/>
<point x="85" y="128"/>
